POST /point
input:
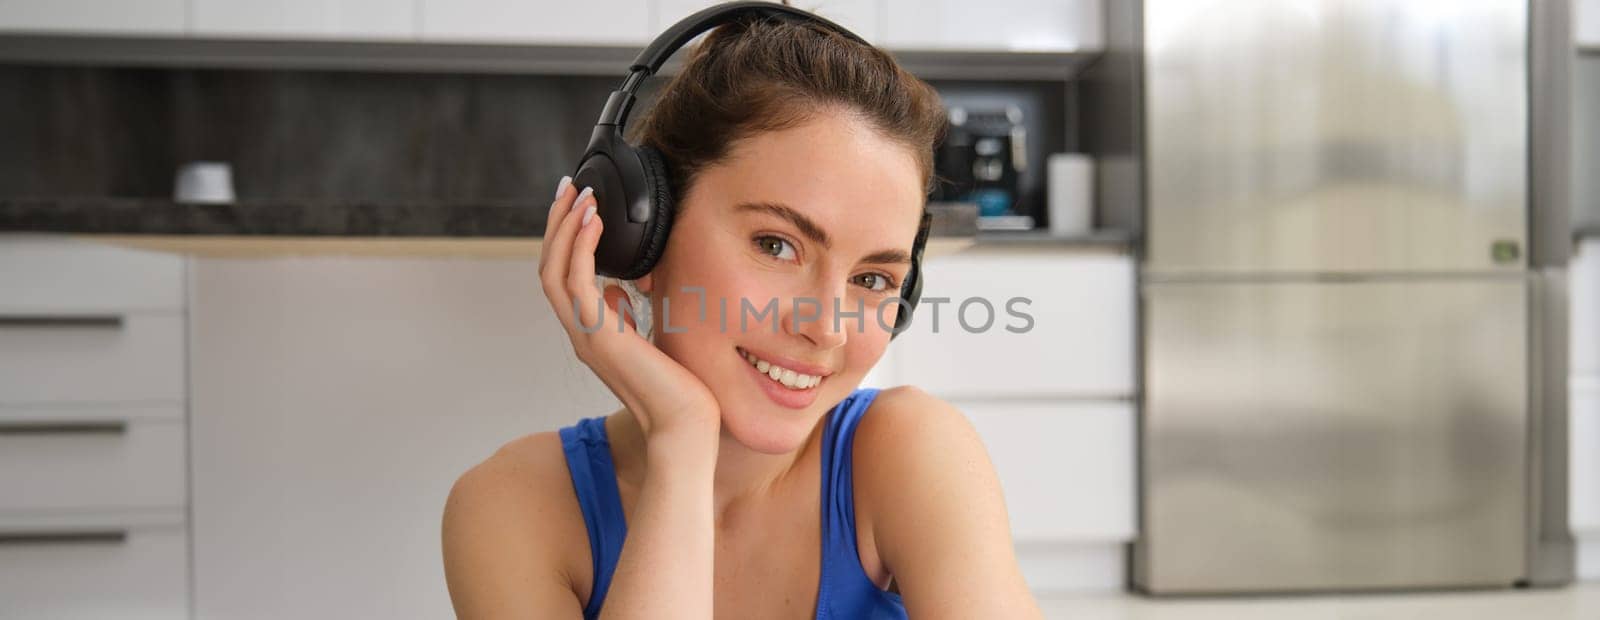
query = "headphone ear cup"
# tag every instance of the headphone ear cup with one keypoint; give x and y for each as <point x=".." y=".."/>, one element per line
<point x="911" y="289"/>
<point x="659" y="190"/>
<point x="911" y="293"/>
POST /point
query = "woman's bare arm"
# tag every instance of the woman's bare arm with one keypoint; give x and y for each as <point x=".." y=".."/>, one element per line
<point x="935" y="510"/>
<point x="665" y="570"/>
<point x="512" y="530"/>
<point x="507" y="527"/>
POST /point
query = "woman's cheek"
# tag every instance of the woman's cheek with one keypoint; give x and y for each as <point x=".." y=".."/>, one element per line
<point x="754" y="304"/>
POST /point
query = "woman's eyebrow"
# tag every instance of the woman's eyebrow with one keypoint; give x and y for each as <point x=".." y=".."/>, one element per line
<point x="887" y="256"/>
<point x="806" y="226"/>
<point x="811" y="230"/>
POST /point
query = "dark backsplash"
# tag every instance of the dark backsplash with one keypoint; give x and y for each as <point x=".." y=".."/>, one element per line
<point x="292" y="134"/>
<point x="339" y="135"/>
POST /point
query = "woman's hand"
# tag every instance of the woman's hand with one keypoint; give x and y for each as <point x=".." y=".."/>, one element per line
<point x="671" y="404"/>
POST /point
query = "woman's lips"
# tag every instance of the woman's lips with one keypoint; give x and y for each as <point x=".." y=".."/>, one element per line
<point x="781" y="394"/>
<point x="791" y="364"/>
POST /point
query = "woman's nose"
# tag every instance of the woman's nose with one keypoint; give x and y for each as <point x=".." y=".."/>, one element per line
<point x="813" y="318"/>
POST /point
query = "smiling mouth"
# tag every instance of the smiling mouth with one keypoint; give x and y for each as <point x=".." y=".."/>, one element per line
<point x="780" y="375"/>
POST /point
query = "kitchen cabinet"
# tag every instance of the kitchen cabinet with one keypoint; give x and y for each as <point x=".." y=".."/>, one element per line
<point x="163" y="17"/>
<point x="1051" y="25"/>
<point x="1054" y="406"/>
<point x="1583" y="274"/>
<point x="1584" y="409"/>
<point x="1584" y="481"/>
<point x="1077" y="344"/>
<point x="1586" y="23"/>
<point x="293" y="19"/>
<point x="1009" y="25"/>
<point x="127" y="457"/>
<point x="48" y="275"/>
<point x="143" y="575"/>
<point x="1067" y="467"/>
<point x="138" y="359"/>
<point x="595" y="22"/>
<point x="93" y="435"/>
<point x="863" y="17"/>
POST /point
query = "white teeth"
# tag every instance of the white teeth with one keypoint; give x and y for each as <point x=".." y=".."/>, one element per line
<point x="788" y="378"/>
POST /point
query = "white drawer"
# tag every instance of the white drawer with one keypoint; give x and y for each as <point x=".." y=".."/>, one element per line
<point x="94" y="16"/>
<point x="302" y="19"/>
<point x="627" y="22"/>
<point x="1080" y="343"/>
<point x="1584" y="314"/>
<point x="143" y="576"/>
<point x="139" y="360"/>
<point x="1067" y="467"/>
<point x="1586" y="23"/>
<point x="1583" y="456"/>
<point x="48" y="274"/>
<point x="72" y="460"/>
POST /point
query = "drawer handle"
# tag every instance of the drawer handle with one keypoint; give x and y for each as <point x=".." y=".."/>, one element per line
<point x="113" y="427"/>
<point x="109" y="321"/>
<point x="64" y="537"/>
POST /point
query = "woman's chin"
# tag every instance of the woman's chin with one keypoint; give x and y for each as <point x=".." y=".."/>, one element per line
<point x="763" y="430"/>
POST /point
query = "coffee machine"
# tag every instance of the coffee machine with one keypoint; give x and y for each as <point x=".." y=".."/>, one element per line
<point x="982" y="161"/>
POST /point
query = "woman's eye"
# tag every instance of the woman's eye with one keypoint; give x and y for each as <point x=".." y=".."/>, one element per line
<point x="775" y="246"/>
<point x="876" y="281"/>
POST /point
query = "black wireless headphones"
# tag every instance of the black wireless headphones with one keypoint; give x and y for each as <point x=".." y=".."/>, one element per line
<point x="630" y="183"/>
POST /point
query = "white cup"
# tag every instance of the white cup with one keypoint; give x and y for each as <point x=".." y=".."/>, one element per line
<point x="1070" y="179"/>
<point x="204" y="181"/>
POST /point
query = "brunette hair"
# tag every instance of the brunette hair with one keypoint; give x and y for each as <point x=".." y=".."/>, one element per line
<point x="756" y="75"/>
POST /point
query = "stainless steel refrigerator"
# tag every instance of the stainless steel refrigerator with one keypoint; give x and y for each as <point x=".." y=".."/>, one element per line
<point x="1341" y="324"/>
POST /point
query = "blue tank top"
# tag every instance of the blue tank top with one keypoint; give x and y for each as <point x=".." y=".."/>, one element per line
<point x="843" y="591"/>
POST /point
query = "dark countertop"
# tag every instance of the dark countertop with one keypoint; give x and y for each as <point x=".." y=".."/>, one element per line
<point x="216" y="227"/>
<point x="1023" y="238"/>
<point x="133" y="216"/>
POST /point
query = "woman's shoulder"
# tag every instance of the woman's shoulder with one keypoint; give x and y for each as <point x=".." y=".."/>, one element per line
<point x="936" y="515"/>
<point x="915" y="449"/>
<point x="908" y="432"/>
<point x="513" y="520"/>
<point x="901" y="419"/>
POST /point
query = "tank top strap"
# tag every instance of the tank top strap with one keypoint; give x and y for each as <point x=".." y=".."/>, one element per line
<point x="594" y="478"/>
<point x="845" y="590"/>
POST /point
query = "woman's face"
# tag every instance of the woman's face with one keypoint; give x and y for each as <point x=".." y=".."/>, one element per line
<point x="792" y="223"/>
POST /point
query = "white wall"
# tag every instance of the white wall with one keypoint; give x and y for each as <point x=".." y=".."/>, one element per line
<point x="335" y="400"/>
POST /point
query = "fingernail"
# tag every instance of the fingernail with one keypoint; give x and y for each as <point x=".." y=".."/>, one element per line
<point x="587" y="215"/>
<point x="587" y="191"/>
<point x="561" y="188"/>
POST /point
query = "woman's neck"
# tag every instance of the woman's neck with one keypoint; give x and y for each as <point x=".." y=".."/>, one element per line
<point x="744" y="475"/>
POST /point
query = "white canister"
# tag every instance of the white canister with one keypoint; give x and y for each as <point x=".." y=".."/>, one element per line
<point x="1070" y="183"/>
<point x="204" y="181"/>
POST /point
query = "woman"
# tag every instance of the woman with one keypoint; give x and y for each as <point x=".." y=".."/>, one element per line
<point x="747" y="473"/>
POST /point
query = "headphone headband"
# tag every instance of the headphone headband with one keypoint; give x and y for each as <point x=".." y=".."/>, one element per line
<point x="631" y="183"/>
<point x="656" y="53"/>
